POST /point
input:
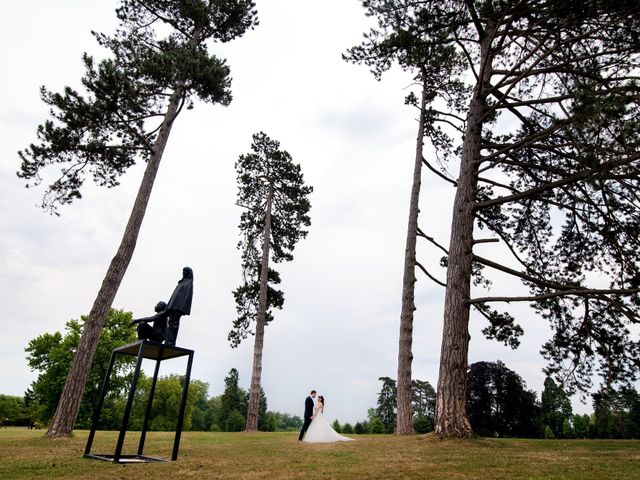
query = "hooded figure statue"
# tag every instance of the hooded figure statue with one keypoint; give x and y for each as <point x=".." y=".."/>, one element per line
<point x="179" y="304"/>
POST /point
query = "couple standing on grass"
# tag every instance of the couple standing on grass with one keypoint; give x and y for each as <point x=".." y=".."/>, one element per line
<point x="316" y="428"/>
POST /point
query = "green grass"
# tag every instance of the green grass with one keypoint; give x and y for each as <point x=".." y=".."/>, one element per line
<point x="26" y="454"/>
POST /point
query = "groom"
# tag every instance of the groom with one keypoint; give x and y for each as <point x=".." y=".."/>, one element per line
<point x="308" y="413"/>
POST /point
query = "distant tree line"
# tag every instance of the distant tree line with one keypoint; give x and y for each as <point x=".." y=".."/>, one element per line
<point x="500" y="405"/>
<point x="51" y="354"/>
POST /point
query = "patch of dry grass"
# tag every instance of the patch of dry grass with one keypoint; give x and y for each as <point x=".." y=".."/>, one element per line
<point x="26" y="454"/>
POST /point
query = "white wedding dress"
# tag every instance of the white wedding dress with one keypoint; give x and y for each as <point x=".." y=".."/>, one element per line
<point x="321" y="431"/>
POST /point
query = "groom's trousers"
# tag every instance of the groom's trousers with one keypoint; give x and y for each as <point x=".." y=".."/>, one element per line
<point x="305" y="425"/>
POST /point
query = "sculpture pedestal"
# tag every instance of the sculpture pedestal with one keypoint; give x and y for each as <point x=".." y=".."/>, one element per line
<point x="140" y="349"/>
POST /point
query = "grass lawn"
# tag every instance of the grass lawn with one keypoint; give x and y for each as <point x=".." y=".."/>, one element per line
<point x="26" y="454"/>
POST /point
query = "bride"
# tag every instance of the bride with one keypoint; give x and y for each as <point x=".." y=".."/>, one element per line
<point x="320" y="431"/>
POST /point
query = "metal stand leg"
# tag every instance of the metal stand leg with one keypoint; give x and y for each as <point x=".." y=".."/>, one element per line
<point x="141" y="349"/>
<point x="98" y="409"/>
<point x="147" y="413"/>
<point x="127" y="410"/>
<point x="183" y="404"/>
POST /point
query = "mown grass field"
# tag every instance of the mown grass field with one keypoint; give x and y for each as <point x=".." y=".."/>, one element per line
<point x="26" y="454"/>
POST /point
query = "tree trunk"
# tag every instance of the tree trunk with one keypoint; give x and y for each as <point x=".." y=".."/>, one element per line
<point x="451" y="399"/>
<point x="404" y="418"/>
<point x="254" y="394"/>
<point x="66" y="412"/>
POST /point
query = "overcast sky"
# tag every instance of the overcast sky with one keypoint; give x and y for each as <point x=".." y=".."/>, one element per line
<point x="355" y="141"/>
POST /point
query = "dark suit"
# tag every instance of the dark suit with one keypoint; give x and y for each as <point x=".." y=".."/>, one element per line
<point x="308" y="413"/>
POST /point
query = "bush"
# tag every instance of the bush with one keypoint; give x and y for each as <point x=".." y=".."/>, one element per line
<point x="360" y="427"/>
<point x="272" y="423"/>
<point x="548" y="433"/>
<point x="336" y="426"/>
<point x="376" y="426"/>
<point x="423" y="425"/>
<point x="347" y="428"/>
<point x="235" y="422"/>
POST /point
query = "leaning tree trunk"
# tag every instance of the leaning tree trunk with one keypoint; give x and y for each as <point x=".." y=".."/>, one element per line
<point x="451" y="398"/>
<point x="68" y="407"/>
<point x="256" y="375"/>
<point x="404" y="418"/>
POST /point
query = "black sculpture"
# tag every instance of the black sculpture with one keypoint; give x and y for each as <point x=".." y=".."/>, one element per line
<point x="157" y="331"/>
<point x="179" y="304"/>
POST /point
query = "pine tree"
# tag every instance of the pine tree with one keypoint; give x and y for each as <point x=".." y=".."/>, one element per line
<point x="555" y="407"/>
<point x="158" y="63"/>
<point x="387" y="406"/>
<point x="421" y="57"/>
<point x="271" y="189"/>
<point x="232" y="398"/>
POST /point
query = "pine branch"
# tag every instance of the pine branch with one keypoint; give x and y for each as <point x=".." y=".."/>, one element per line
<point x="450" y="123"/>
<point x="466" y="54"/>
<point x="584" y="174"/>
<point x="474" y="16"/>
<point x="497" y="184"/>
<point x="525" y="142"/>
<point x="430" y="239"/>
<point x="419" y="265"/>
<point x="564" y="293"/>
<point x="437" y="172"/>
<point x="504" y="239"/>
<point x="524" y="276"/>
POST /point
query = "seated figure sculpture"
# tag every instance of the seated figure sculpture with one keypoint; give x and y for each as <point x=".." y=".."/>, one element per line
<point x="157" y="331"/>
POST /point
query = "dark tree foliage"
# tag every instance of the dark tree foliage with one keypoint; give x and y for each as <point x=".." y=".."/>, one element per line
<point x="387" y="405"/>
<point x="15" y="411"/>
<point x="50" y="354"/>
<point x="376" y="426"/>
<point x="423" y="406"/>
<point x="200" y="417"/>
<point x="617" y="413"/>
<point x="424" y="399"/>
<point x="115" y="121"/>
<point x="282" y="422"/>
<point x="158" y="63"/>
<point x="361" y="427"/>
<point x="267" y="169"/>
<point x="246" y="297"/>
<point x="236" y="398"/>
<point x="555" y="407"/>
<point x="233" y="398"/>
<point x="541" y="111"/>
<point x="499" y="404"/>
<point x="272" y="191"/>
<point x="581" y="425"/>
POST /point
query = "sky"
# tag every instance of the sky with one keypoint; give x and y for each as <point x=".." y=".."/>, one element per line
<point x="355" y="141"/>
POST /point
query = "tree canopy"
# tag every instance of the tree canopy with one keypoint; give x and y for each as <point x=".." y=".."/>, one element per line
<point x="267" y="172"/>
<point x="158" y="54"/>
<point x="50" y="355"/>
<point x="499" y="403"/>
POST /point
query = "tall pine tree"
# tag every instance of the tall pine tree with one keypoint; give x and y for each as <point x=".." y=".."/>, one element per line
<point x="158" y="63"/>
<point x="272" y="191"/>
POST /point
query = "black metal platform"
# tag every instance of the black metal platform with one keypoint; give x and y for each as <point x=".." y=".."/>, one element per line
<point x="150" y="350"/>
